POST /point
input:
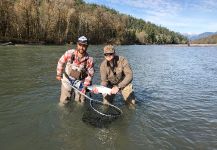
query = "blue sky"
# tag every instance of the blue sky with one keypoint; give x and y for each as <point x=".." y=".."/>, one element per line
<point x="184" y="16"/>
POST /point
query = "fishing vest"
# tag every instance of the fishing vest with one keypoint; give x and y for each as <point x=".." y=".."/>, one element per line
<point x="77" y="72"/>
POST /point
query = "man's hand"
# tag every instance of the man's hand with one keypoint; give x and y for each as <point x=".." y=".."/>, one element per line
<point x="58" y="77"/>
<point x="84" y="90"/>
<point x="115" y="90"/>
<point x="95" y="90"/>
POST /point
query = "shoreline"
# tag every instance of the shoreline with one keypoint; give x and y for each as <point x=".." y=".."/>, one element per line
<point x="202" y="45"/>
<point x="191" y="45"/>
<point x="178" y="45"/>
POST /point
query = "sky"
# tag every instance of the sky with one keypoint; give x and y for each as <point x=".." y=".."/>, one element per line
<point x="183" y="16"/>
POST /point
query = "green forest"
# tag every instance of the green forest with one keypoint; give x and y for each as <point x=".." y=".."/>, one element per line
<point x="62" y="21"/>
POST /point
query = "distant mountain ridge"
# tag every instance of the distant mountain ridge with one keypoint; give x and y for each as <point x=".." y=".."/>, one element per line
<point x="193" y="37"/>
<point x="212" y="39"/>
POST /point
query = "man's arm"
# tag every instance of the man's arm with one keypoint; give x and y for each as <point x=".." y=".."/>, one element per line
<point x="63" y="59"/>
<point x="128" y="74"/>
<point x="103" y="75"/>
<point x="90" y="71"/>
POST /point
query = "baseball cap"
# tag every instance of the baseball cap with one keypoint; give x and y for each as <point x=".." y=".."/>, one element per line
<point x="83" y="40"/>
<point x="109" y="49"/>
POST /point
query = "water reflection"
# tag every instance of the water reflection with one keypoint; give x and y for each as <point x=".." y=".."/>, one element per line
<point x="107" y="137"/>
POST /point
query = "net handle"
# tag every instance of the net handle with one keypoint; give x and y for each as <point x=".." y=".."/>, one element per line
<point x="78" y="90"/>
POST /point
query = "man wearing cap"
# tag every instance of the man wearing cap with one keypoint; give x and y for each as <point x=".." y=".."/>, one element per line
<point x="116" y="73"/>
<point x="78" y="66"/>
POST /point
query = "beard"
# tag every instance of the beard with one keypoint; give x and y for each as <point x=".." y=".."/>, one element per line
<point x="82" y="51"/>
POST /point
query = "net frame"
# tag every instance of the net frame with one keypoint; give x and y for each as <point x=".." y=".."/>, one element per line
<point x="110" y="105"/>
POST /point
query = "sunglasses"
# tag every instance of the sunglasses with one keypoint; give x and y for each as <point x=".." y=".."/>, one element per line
<point x="108" y="54"/>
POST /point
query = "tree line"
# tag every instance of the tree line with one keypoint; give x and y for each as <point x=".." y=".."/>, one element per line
<point x="61" y="21"/>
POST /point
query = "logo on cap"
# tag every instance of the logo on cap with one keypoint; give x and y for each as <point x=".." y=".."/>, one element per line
<point x="82" y="40"/>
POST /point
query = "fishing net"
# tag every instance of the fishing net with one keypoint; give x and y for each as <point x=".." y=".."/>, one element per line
<point x="100" y="115"/>
<point x="97" y="113"/>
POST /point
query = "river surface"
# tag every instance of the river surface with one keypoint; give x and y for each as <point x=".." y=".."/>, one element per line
<point x="175" y="87"/>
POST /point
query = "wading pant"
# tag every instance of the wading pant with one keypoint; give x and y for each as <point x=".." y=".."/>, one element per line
<point x="127" y="93"/>
<point x="68" y="93"/>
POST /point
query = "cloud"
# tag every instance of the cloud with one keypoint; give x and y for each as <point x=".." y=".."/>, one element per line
<point x="204" y="6"/>
<point x="177" y="15"/>
<point x="156" y="7"/>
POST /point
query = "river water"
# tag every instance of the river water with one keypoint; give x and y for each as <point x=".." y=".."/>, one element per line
<point x="176" y="90"/>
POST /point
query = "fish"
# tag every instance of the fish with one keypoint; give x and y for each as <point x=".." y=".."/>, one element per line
<point x="79" y="85"/>
<point x="101" y="89"/>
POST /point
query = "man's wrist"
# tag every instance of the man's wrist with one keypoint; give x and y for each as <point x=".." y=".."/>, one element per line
<point x="118" y="87"/>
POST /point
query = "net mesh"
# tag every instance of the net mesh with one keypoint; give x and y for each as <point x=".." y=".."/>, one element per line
<point x="100" y="115"/>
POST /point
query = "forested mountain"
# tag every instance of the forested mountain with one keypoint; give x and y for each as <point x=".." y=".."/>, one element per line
<point x="59" y="21"/>
<point x="200" y="36"/>
<point x="212" y="39"/>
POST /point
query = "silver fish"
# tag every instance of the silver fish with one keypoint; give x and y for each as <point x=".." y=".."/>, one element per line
<point x="101" y="89"/>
